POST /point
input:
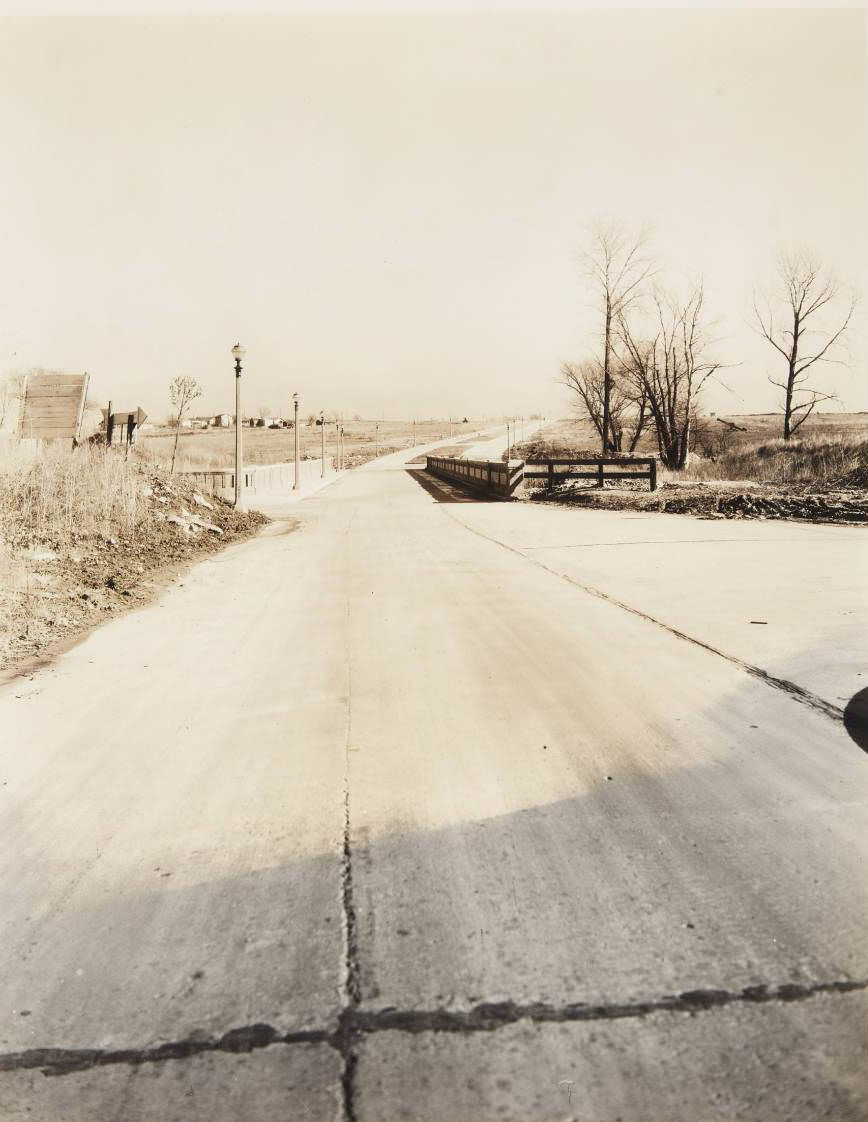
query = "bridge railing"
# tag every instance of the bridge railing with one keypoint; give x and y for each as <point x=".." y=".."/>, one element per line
<point x="491" y="477"/>
<point x="554" y="472"/>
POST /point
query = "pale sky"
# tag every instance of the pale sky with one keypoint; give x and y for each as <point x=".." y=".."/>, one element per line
<point x="389" y="210"/>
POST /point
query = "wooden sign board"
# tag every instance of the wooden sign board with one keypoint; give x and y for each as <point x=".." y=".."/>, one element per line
<point x="121" y="427"/>
<point x="53" y="406"/>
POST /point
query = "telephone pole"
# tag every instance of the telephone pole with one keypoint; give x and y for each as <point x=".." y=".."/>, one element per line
<point x="238" y="352"/>
<point x="297" y="456"/>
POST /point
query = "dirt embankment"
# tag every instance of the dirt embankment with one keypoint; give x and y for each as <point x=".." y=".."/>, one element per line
<point x="710" y="500"/>
<point x="61" y="585"/>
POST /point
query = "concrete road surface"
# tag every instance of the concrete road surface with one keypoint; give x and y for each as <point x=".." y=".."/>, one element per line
<point x="379" y="818"/>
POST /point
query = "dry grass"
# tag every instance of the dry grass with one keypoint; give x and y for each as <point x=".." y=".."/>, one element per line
<point x="818" y="460"/>
<point x="59" y="492"/>
<point x="85" y="534"/>
<point x="48" y="500"/>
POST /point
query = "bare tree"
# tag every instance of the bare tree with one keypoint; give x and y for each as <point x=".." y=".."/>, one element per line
<point x="673" y="366"/>
<point x="616" y="262"/>
<point x="801" y="336"/>
<point x="628" y="401"/>
<point x="183" y="390"/>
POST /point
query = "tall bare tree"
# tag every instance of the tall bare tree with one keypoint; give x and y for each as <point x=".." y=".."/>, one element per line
<point x="672" y="366"/>
<point x="617" y="263"/>
<point x="804" y="322"/>
<point x="628" y="401"/>
<point x="183" y="390"/>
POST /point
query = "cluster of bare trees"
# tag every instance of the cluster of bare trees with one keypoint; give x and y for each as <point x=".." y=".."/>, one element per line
<point x="658" y="351"/>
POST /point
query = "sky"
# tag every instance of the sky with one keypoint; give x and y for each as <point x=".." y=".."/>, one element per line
<point x="389" y="210"/>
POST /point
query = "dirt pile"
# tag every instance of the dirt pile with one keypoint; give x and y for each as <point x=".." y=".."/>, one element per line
<point x="58" y="585"/>
<point x="708" y="500"/>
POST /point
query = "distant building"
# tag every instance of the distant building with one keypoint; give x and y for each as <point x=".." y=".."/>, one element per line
<point x="223" y="420"/>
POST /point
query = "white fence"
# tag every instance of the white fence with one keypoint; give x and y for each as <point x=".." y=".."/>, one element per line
<point x="259" y="479"/>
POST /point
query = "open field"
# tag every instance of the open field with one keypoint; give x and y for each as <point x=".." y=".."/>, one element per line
<point x="215" y="448"/>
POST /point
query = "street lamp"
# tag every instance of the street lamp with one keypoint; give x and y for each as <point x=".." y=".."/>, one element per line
<point x="238" y="353"/>
<point x="297" y="457"/>
<point x="322" y="441"/>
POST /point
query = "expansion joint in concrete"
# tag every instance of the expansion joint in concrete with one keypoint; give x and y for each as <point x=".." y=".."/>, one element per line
<point x="355" y="1023"/>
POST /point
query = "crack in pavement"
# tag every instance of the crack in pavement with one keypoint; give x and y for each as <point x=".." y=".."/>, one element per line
<point x="355" y="1023"/>
<point x="346" y="1036"/>
<point x="796" y="692"/>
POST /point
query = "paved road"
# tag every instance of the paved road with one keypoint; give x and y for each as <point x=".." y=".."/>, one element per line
<point x="380" y="819"/>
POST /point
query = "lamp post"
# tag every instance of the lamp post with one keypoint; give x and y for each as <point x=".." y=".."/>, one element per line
<point x="238" y="352"/>
<point x="376" y="439"/>
<point x="414" y="432"/>
<point x="322" y="441"/>
<point x="297" y="457"/>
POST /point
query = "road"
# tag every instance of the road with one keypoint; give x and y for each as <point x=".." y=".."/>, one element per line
<point x="382" y="816"/>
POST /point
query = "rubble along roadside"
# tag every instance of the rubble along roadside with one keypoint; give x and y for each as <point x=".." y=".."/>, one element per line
<point x="56" y="587"/>
<point x="719" y="500"/>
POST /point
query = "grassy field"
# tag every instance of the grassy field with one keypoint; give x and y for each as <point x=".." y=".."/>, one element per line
<point x="829" y="448"/>
<point x="215" y="448"/>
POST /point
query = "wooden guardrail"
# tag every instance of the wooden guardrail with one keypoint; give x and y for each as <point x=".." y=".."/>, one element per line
<point x="552" y="476"/>
<point x="493" y="477"/>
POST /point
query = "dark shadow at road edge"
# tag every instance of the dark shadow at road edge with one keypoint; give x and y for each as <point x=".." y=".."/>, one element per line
<point x="856" y="718"/>
<point x="443" y="492"/>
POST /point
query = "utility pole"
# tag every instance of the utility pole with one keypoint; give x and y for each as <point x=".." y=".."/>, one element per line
<point x="414" y="432"/>
<point x="342" y="448"/>
<point x="376" y="439"/>
<point x="322" y="442"/>
<point x="238" y="352"/>
<point x="297" y="456"/>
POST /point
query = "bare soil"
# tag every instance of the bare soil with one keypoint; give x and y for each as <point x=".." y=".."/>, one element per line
<point x="719" y="500"/>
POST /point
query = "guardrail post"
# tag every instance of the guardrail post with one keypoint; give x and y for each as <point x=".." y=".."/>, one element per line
<point x="600" y="474"/>
<point x="551" y="480"/>
<point x="653" y="478"/>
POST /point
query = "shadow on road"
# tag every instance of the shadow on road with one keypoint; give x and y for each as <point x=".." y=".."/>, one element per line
<point x="443" y="492"/>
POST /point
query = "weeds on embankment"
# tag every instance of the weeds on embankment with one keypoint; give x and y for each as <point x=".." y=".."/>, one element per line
<point x="81" y="532"/>
<point x="48" y="497"/>
<point x="809" y="461"/>
<point x="746" y="473"/>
